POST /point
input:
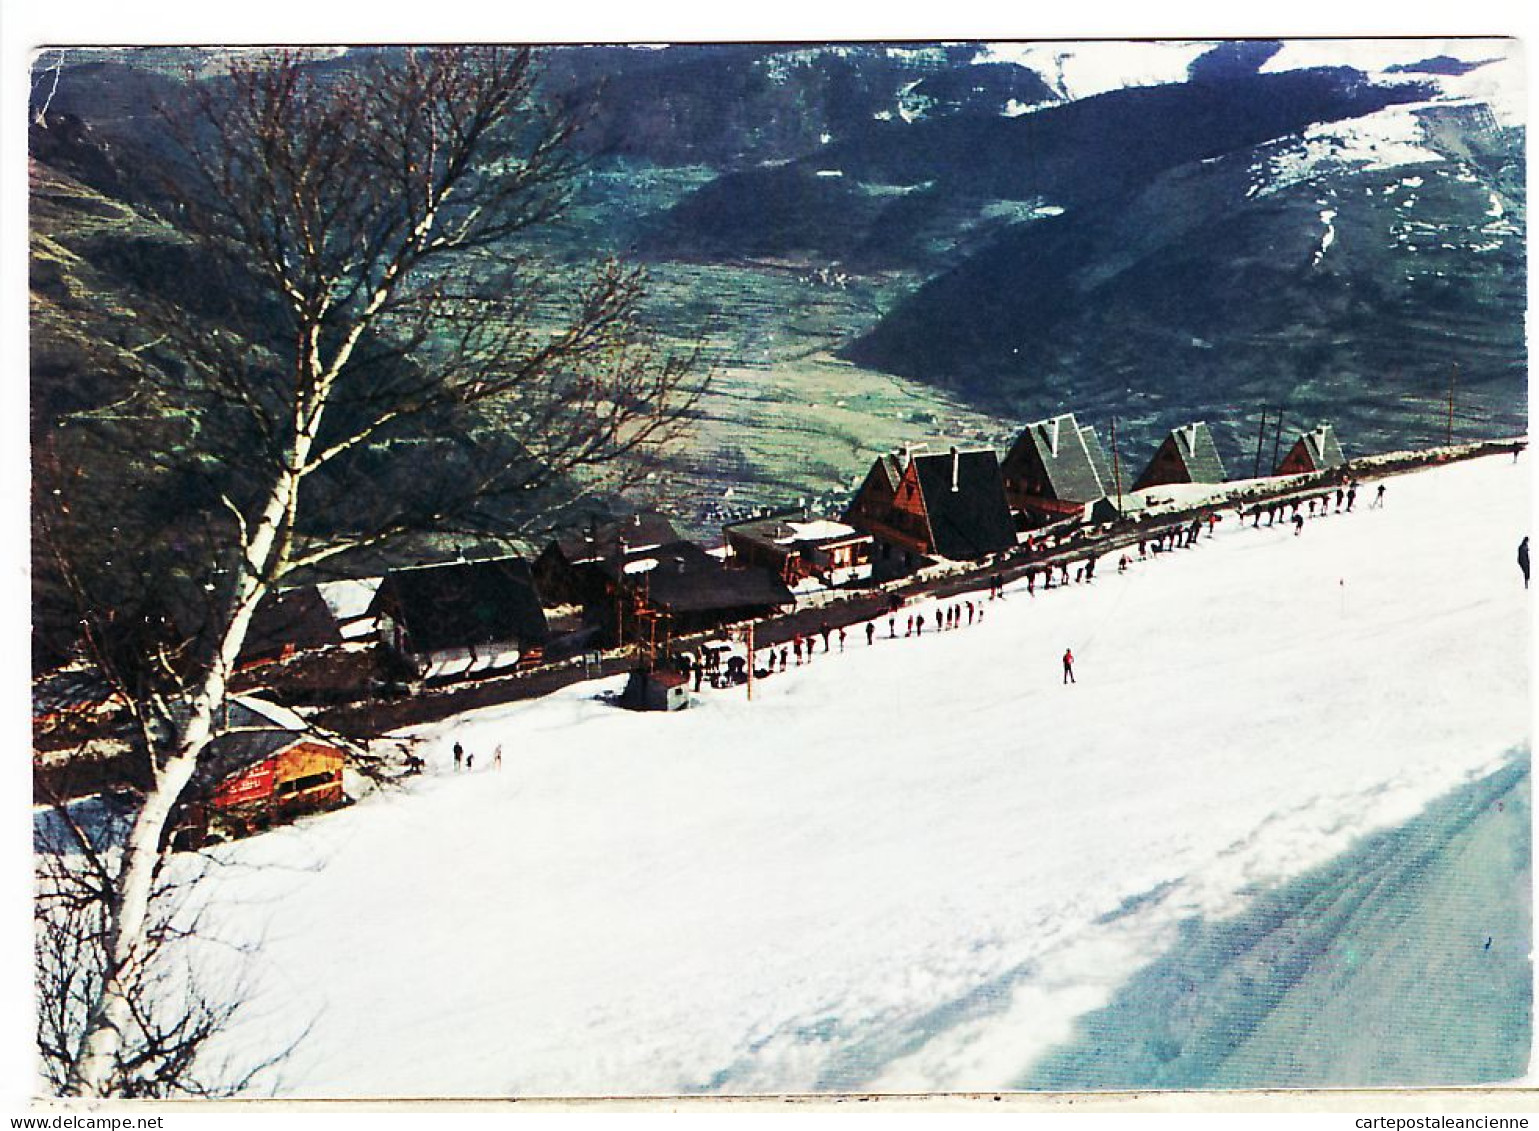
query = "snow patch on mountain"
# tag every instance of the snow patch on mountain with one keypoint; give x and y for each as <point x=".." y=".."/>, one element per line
<point x="1080" y="70"/>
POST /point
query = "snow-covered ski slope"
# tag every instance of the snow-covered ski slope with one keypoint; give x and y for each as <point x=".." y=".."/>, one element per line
<point x="910" y="866"/>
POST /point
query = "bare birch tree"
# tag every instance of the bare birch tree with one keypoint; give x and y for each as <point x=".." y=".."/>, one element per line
<point x="372" y="312"/>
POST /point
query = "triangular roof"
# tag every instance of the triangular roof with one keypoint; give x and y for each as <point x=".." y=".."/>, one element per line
<point x="1058" y="448"/>
<point x="1186" y="455"/>
<point x="1313" y="451"/>
<point x="299" y="617"/>
<point x="464" y="604"/>
<point x="974" y="519"/>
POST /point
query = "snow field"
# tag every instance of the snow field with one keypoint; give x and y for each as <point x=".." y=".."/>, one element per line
<point x="909" y="866"/>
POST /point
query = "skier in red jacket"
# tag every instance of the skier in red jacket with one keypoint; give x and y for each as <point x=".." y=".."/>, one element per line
<point x="1068" y="666"/>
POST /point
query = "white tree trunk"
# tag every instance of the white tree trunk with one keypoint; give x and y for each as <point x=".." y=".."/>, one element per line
<point x="127" y="944"/>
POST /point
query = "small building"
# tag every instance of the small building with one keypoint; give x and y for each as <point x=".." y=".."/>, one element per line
<point x="461" y="618"/>
<point x="1055" y="470"/>
<point x="660" y="690"/>
<point x="263" y="767"/>
<point x="565" y="573"/>
<point x="1313" y="451"/>
<point x="797" y="548"/>
<point x="934" y="506"/>
<point x="1187" y="455"/>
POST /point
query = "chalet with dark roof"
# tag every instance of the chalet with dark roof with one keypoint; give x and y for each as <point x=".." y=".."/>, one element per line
<point x="935" y="506"/>
<point x="1313" y="451"/>
<point x="564" y="573"/>
<point x="461" y="618"/>
<point x="677" y="589"/>
<point x="287" y="621"/>
<point x="1187" y="455"/>
<point x="1055" y="469"/>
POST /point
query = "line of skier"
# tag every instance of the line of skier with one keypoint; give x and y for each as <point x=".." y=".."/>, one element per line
<point x="1293" y="510"/>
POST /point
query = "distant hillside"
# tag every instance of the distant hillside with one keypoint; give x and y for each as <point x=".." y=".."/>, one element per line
<point x="1221" y="289"/>
<point x="1095" y="149"/>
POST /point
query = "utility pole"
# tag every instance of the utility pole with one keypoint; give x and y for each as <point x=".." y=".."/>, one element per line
<point x="750" y="661"/>
<point x="1255" y="472"/>
<point x="1277" y="443"/>
<point x="1448" y="439"/>
<point x="1116" y="466"/>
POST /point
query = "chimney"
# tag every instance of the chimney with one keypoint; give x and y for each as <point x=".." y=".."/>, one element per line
<point x="956" y="470"/>
<point x="903" y="458"/>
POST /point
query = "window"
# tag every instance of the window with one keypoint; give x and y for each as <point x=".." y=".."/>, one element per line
<point x="309" y="781"/>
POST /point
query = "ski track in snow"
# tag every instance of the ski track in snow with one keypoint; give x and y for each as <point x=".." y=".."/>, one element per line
<point x="908" y="867"/>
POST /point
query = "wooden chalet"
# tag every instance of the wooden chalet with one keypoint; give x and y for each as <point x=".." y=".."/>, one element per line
<point x="264" y="766"/>
<point x="1055" y="470"/>
<point x="461" y="618"/>
<point x="934" y="506"/>
<point x="287" y="621"/>
<point x="677" y="589"/>
<point x="1313" y="451"/>
<point x="1186" y="455"/>
<point x="797" y="548"/>
<point x="566" y="571"/>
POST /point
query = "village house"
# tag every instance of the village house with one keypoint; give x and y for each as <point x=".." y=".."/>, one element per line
<point x="799" y="549"/>
<point x="461" y="618"/>
<point x="565" y="573"/>
<point x="922" y="507"/>
<point x="1055" y="470"/>
<point x="263" y="767"/>
<point x="663" y="592"/>
<point x="288" y="621"/>
<point x="1186" y="455"/>
<point x="1313" y="451"/>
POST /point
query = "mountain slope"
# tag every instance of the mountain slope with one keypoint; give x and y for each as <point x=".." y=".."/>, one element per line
<point x="914" y="865"/>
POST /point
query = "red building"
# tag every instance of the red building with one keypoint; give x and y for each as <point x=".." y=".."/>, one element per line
<point x="264" y="767"/>
<point x="1313" y="451"/>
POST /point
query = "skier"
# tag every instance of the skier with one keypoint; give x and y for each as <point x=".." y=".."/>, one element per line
<point x="497" y="757"/>
<point x="1068" y="666"/>
<point x="870" y="632"/>
<point x="785" y="656"/>
<point x="459" y="755"/>
<point x="1351" y="497"/>
<point x="1298" y="524"/>
<point x="969" y="612"/>
<point x="824" y="630"/>
<point x="470" y="762"/>
<point x="892" y="628"/>
<point x="1340" y="497"/>
<point x="1378" y="498"/>
<point x="1523" y="560"/>
<point x="910" y="630"/>
<point x="1122" y="564"/>
<point x="841" y="638"/>
<point x="796" y="644"/>
<point x="919" y="624"/>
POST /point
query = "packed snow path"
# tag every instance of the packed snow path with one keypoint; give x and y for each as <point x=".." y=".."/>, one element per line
<point x="911" y="866"/>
